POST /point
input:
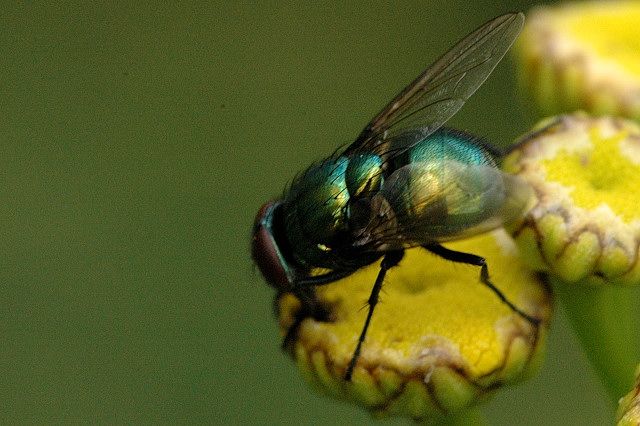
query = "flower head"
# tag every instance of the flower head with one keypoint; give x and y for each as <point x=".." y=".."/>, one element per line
<point x="439" y="340"/>
<point x="585" y="172"/>
<point x="583" y="55"/>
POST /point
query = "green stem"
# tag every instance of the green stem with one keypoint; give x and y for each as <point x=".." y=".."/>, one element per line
<point x="606" y="321"/>
<point x="471" y="416"/>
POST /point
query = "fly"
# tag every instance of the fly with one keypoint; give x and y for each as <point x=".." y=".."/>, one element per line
<point x="404" y="182"/>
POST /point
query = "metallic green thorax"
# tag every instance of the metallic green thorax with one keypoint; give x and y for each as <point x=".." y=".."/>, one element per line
<point x="319" y="208"/>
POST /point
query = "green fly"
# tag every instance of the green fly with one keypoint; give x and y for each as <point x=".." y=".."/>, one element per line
<point x="404" y="182"/>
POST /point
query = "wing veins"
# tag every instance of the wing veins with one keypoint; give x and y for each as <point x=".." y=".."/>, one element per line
<point x="483" y="47"/>
<point x="461" y="74"/>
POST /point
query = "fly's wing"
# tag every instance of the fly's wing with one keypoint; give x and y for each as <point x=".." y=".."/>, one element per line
<point x="442" y="201"/>
<point x="440" y="91"/>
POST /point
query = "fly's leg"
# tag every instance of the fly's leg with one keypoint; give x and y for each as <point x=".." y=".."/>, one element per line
<point x="311" y="307"/>
<point x="472" y="259"/>
<point x="323" y="279"/>
<point x="390" y="260"/>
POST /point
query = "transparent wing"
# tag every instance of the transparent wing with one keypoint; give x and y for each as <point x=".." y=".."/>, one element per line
<point x="442" y="201"/>
<point x="441" y="90"/>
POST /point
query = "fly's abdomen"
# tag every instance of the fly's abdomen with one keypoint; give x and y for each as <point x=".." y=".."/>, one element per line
<point x="447" y="186"/>
<point x="451" y="145"/>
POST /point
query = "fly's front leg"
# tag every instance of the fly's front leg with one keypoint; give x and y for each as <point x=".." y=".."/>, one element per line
<point x="310" y="307"/>
<point x="390" y="260"/>
<point x="472" y="259"/>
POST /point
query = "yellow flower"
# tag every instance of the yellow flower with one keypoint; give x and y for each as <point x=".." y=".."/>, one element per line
<point x="585" y="173"/>
<point x="439" y="340"/>
<point x="583" y="55"/>
<point x="629" y="405"/>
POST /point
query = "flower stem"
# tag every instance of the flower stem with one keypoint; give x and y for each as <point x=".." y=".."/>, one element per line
<point x="471" y="416"/>
<point x="606" y="322"/>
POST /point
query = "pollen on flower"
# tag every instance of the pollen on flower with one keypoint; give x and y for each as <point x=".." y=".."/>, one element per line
<point x="586" y="224"/>
<point x="587" y="167"/>
<point x="439" y="340"/>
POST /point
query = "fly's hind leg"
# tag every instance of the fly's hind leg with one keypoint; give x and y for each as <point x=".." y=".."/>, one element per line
<point x="472" y="259"/>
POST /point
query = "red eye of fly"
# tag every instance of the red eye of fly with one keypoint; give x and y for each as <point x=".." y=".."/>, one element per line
<point x="265" y="251"/>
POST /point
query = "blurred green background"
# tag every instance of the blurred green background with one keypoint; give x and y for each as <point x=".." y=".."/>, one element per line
<point x="136" y="144"/>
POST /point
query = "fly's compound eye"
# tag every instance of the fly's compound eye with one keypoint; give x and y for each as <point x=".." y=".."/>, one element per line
<point x="265" y="251"/>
